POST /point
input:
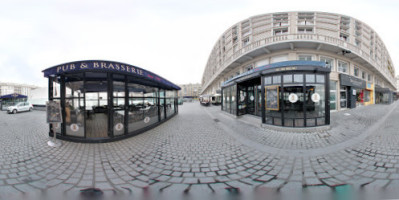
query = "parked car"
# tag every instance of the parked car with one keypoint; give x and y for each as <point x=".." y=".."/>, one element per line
<point x="180" y="101"/>
<point x="19" y="107"/>
<point x="187" y="99"/>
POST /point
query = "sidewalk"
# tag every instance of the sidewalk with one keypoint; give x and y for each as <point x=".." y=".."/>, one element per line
<point x="203" y="152"/>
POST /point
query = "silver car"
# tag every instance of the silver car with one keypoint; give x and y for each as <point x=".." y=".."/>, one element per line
<point x="19" y="107"/>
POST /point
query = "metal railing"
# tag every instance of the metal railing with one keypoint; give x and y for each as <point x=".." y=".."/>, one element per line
<point x="297" y="37"/>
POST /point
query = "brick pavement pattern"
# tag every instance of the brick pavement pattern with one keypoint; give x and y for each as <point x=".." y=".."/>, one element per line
<point x="204" y="151"/>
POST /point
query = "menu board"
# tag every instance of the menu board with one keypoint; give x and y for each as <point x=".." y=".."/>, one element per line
<point x="272" y="97"/>
<point x="53" y="112"/>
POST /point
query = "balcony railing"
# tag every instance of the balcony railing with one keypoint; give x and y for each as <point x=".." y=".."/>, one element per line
<point x="297" y="37"/>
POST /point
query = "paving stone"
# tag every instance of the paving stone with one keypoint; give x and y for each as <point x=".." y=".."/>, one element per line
<point x="228" y="153"/>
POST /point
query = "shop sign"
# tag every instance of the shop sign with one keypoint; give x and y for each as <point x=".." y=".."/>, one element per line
<point x="369" y="86"/>
<point x="293" y="98"/>
<point x="352" y="81"/>
<point x="146" y="120"/>
<point x="74" y="127"/>
<point x="119" y="126"/>
<point x="285" y="69"/>
<point x="354" y="92"/>
<point x="102" y="65"/>
<point x="315" y="97"/>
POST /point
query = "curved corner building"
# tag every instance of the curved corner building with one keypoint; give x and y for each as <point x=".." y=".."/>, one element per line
<point x="362" y="72"/>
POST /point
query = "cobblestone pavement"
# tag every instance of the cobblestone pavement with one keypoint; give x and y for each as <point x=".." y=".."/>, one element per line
<point x="203" y="151"/>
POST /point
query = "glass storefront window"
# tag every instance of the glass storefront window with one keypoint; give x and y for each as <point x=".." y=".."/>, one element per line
<point x="276" y="79"/>
<point x="287" y="78"/>
<point x="74" y="117"/>
<point x="268" y="80"/>
<point x="333" y="95"/>
<point x="135" y="90"/>
<point x="170" y="108"/>
<point x="298" y="78"/>
<point x="136" y="114"/>
<point x="310" y="78"/>
<point x="151" y="111"/>
<point x="242" y="101"/>
<point x="293" y="104"/>
<point x="315" y="103"/>
<point x="119" y="117"/>
<point x="102" y="104"/>
<point x="119" y="89"/>
<point x="320" y="78"/>
<point x="150" y="92"/>
<point x="273" y="103"/>
<point x="228" y="97"/>
<point x="233" y="100"/>
<point x="366" y="96"/>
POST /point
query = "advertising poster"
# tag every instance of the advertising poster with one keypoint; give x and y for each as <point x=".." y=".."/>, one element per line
<point x="53" y="109"/>
<point x="272" y="97"/>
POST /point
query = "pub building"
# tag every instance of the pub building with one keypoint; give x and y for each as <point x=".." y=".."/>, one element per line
<point x="104" y="101"/>
<point x="290" y="94"/>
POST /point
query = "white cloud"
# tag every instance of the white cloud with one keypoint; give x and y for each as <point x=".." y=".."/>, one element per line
<point x="171" y="38"/>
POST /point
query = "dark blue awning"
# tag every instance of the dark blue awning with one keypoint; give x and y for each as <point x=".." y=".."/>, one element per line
<point x="110" y="66"/>
<point x="15" y="95"/>
<point x="256" y="71"/>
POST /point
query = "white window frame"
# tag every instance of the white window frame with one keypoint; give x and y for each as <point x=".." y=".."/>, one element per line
<point x="305" y="56"/>
<point x="280" y="31"/>
<point x="365" y="75"/>
<point x="246" y="41"/>
<point x="305" y="30"/>
<point x="339" y="67"/>
<point x="358" y="70"/>
<point x="332" y="64"/>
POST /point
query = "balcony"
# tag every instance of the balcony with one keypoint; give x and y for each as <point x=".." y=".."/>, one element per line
<point x="230" y="60"/>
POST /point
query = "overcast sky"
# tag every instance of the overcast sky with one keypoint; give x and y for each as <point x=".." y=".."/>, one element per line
<point x="172" y="38"/>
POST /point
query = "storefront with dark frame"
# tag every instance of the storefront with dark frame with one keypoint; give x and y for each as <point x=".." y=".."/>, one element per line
<point x="383" y="95"/>
<point x="104" y="101"/>
<point x="355" y="91"/>
<point x="290" y="94"/>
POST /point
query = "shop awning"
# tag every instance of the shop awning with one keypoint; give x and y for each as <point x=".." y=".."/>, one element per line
<point x="140" y="75"/>
<point x="15" y="95"/>
<point x="285" y="64"/>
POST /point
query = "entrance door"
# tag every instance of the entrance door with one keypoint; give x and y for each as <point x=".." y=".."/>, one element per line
<point x="242" y="101"/>
<point x="119" y="105"/>
<point x="293" y="105"/>
<point x="96" y="113"/>
<point x="343" y="97"/>
<point x="251" y="100"/>
<point x="258" y="98"/>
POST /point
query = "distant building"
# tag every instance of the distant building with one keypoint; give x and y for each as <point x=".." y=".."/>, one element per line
<point x="189" y="90"/>
<point x="397" y="83"/>
<point x="39" y="96"/>
<point x="11" y="88"/>
<point x="11" y="93"/>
